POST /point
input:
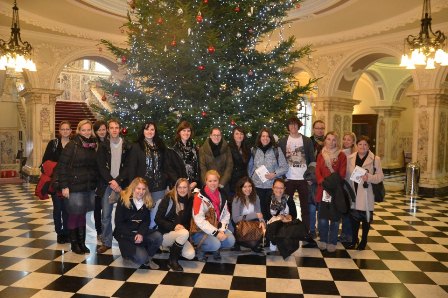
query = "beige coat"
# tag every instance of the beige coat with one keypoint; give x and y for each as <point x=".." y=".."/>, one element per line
<point x="378" y="177"/>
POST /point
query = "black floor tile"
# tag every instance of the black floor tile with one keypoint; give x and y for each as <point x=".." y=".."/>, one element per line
<point x="282" y="272"/>
<point x="68" y="284"/>
<point x="435" y="234"/>
<point x="283" y="295"/>
<point x="406" y="247"/>
<point x="440" y="256"/>
<point x="311" y="262"/>
<point x="347" y="274"/>
<point x="5" y="248"/>
<point x="135" y="290"/>
<point x="390" y="255"/>
<point x="101" y="259"/>
<point x="208" y="293"/>
<point x="17" y="292"/>
<point x="47" y="254"/>
<point x="391" y="290"/>
<point x="33" y="234"/>
<point x="403" y="228"/>
<point x="370" y="264"/>
<point x="77" y="295"/>
<point x="218" y="268"/>
<point x="377" y="239"/>
<point x="56" y="267"/>
<point x="28" y="226"/>
<point x="116" y="273"/>
<point x="180" y="279"/>
<point x="428" y="266"/>
<point x="251" y="260"/>
<point x="5" y="262"/>
<point x="413" y="277"/>
<point x="389" y="233"/>
<point x="422" y="240"/>
<point x="319" y="287"/>
<point x="40" y="243"/>
<point x="248" y="284"/>
<point x="8" y="277"/>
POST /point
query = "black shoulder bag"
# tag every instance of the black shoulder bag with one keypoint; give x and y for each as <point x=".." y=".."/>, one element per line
<point x="379" y="192"/>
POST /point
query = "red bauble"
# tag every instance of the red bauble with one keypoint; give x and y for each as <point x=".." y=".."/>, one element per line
<point x="211" y="49"/>
<point x="160" y="21"/>
<point x="298" y="5"/>
<point x="237" y="9"/>
<point x="123" y="59"/>
<point x="124" y="131"/>
<point x="104" y="97"/>
<point x="116" y="94"/>
<point x="205" y="1"/>
<point x="204" y="113"/>
<point x="199" y="18"/>
<point x="250" y="72"/>
<point x="173" y="43"/>
<point x="232" y="122"/>
<point x="201" y="67"/>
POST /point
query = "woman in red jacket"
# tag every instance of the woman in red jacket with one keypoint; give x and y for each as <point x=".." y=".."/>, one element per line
<point x="330" y="160"/>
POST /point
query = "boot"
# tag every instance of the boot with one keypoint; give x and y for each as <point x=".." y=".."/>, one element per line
<point x="74" y="242"/>
<point x="175" y="252"/>
<point x="365" y="233"/>
<point x="355" y="229"/>
<point x="82" y="239"/>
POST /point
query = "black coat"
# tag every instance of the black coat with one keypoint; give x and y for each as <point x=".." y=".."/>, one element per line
<point x="53" y="150"/>
<point x="333" y="184"/>
<point x="175" y="168"/>
<point x="239" y="167"/>
<point x="104" y="157"/>
<point x="166" y="222"/>
<point x="77" y="168"/>
<point x="286" y="236"/>
<point x="137" y="168"/>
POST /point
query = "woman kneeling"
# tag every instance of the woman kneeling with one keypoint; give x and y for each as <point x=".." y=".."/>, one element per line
<point x="210" y="219"/>
<point x="173" y="220"/>
<point x="136" y="240"/>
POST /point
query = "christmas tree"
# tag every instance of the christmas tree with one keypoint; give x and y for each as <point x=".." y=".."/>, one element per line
<point x="199" y="60"/>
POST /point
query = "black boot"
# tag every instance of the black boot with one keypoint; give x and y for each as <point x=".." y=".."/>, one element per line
<point x="74" y="242"/>
<point x="365" y="233"/>
<point x="82" y="239"/>
<point x="175" y="252"/>
<point x="355" y="229"/>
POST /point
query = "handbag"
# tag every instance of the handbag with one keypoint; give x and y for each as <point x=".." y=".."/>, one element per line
<point x="210" y="216"/>
<point x="379" y="192"/>
<point x="248" y="233"/>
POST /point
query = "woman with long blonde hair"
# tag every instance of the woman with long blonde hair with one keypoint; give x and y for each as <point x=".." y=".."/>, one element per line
<point x="173" y="219"/>
<point x="132" y="215"/>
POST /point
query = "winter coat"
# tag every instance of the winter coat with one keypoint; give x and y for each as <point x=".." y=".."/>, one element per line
<point x="201" y="205"/>
<point x="167" y="220"/>
<point x="222" y="163"/>
<point x="269" y="160"/>
<point x="322" y="172"/>
<point x="137" y="168"/>
<point x="77" y="168"/>
<point x="53" y="150"/>
<point x="239" y="167"/>
<point x="361" y="192"/>
<point x="43" y="187"/>
<point x="238" y="208"/>
<point x="287" y="236"/>
<point x="104" y="157"/>
<point x="307" y="145"/>
<point x="175" y="167"/>
<point x="333" y="185"/>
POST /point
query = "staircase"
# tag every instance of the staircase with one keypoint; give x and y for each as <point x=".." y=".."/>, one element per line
<point x="73" y="111"/>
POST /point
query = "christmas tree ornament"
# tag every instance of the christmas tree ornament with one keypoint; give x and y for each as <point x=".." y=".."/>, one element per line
<point x="124" y="131"/>
<point x="104" y="97"/>
<point x="199" y="18"/>
<point x="232" y="122"/>
<point x="116" y="93"/>
<point x="238" y="35"/>
<point x="237" y="9"/>
<point x="204" y="113"/>
<point x="123" y="59"/>
<point x="189" y="31"/>
<point x="160" y="21"/>
<point x="173" y="43"/>
<point x="250" y="72"/>
<point x="205" y="1"/>
<point x="211" y="49"/>
<point x="180" y="11"/>
<point x="201" y="67"/>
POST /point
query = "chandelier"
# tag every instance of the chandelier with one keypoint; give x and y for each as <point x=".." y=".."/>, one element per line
<point x="16" y="54"/>
<point x="427" y="47"/>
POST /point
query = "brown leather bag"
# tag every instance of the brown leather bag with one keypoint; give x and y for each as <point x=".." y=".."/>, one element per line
<point x="248" y="233"/>
<point x="210" y="216"/>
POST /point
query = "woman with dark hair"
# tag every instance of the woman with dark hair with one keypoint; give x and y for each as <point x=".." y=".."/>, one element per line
<point x="136" y="240"/>
<point x="330" y="160"/>
<point x="246" y="206"/>
<point x="240" y="156"/>
<point x="182" y="160"/>
<point x="147" y="161"/>
<point x="362" y="209"/>
<point x="52" y="153"/>
<point x="78" y="174"/>
<point x="100" y="131"/>
<point x="215" y="155"/>
<point x="173" y="221"/>
<point x="266" y="163"/>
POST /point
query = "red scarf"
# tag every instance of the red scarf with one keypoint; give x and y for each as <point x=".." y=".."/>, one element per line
<point x="216" y="200"/>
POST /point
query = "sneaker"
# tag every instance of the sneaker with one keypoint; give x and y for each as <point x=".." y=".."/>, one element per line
<point x="151" y="265"/>
<point x="217" y="256"/>
<point x="102" y="249"/>
<point x="322" y="245"/>
<point x="331" y="248"/>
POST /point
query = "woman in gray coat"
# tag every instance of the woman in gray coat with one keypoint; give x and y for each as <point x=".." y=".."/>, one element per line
<point x="362" y="210"/>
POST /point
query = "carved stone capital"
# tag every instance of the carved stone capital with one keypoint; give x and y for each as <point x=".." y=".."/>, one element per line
<point x="335" y="104"/>
<point x="40" y="95"/>
<point x="389" y="111"/>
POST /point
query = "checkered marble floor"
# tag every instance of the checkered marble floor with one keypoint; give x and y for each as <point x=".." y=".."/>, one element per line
<point x="406" y="256"/>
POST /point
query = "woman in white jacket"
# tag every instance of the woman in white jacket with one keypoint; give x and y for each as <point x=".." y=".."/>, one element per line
<point x="210" y="219"/>
<point x="362" y="211"/>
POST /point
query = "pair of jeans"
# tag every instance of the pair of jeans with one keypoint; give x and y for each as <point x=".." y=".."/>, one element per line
<point x="148" y="248"/>
<point x="60" y="215"/>
<point x="264" y="194"/>
<point x="97" y="214"/>
<point x="312" y="208"/>
<point x="211" y="243"/>
<point x="106" y="218"/>
<point x="328" y="229"/>
<point x="156" y="196"/>
<point x="181" y="237"/>
<point x="346" y="233"/>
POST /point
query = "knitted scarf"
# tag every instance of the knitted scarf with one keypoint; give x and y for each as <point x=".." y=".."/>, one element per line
<point x="330" y="156"/>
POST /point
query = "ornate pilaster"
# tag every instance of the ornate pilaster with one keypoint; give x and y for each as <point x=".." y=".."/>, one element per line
<point x="40" y="106"/>
<point x="336" y="112"/>
<point x="387" y="136"/>
<point x="430" y="134"/>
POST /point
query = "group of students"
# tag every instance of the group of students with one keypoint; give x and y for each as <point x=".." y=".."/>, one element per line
<point x="230" y="181"/>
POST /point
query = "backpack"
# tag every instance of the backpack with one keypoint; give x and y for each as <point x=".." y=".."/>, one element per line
<point x="156" y="206"/>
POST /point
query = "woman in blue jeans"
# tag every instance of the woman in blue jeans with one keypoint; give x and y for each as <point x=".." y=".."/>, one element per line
<point x="210" y="219"/>
<point x="330" y="160"/>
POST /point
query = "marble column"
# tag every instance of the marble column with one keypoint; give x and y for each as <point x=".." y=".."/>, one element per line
<point x="40" y="117"/>
<point x="430" y="144"/>
<point x="387" y="147"/>
<point x="336" y="112"/>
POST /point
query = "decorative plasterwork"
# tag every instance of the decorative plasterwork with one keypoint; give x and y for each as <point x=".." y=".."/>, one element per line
<point x="389" y="111"/>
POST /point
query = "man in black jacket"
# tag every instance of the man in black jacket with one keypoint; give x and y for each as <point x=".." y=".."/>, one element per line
<point x="111" y="159"/>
